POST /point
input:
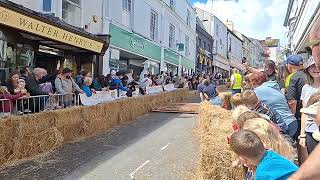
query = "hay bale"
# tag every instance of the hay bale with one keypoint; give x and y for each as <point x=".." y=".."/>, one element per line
<point x="214" y="125"/>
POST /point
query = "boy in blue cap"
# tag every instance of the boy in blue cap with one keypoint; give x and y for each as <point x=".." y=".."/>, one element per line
<point x="268" y="165"/>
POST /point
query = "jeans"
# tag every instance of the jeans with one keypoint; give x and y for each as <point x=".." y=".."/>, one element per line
<point x="311" y="143"/>
<point x="235" y="91"/>
<point x="292" y="129"/>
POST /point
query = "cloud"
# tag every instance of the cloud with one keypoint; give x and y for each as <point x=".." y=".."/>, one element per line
<point x="254" y="18"/>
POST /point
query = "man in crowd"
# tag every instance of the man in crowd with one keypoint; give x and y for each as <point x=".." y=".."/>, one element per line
<point x="236" y="82"/>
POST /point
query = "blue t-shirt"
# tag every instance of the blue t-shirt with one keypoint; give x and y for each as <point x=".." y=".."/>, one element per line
<point x="87" y="90"/>
<point x="274" y="167"/>
<point x="201" y="87"/>
<point x="276" y="101"/>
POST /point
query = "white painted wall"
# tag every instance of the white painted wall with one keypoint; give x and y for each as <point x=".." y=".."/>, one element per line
<point x="236" y="49"/>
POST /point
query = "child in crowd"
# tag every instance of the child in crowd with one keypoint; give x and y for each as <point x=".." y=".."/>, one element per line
<point x="246" y="116"/>
<point x="235" y="115"/>
<point x="86" y="86"/>
<point x="252" y="153"/>
<point x="271" y="137"/>
<point x="6" y="106"/>
<point x="252" y="102"/>
<point x="236" y="100"/>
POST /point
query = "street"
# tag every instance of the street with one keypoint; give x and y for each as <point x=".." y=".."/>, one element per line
<point x="156" y="146"/>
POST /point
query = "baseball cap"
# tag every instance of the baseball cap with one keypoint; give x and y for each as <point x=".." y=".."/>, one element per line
<point x="295" y="60"/>
<point x="309" y="63"/>
<point x="312" y="110"/>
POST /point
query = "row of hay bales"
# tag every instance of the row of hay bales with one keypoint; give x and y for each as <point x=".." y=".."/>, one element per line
<point x="214" y="126"/>
<point x="26" y="136"/>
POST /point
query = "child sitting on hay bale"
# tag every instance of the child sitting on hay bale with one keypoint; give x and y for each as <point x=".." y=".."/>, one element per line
<point x="253" y="154"/>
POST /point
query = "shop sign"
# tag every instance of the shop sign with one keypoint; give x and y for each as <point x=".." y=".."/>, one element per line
<point x="134" y="43"/>
<point x="171" y="57"/>
<point x="31" y="25"/>
<point x="187" y="63"/>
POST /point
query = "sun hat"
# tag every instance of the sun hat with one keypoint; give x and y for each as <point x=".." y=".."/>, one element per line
<point x="309" y="63"/>
<point x="312" y="110"/>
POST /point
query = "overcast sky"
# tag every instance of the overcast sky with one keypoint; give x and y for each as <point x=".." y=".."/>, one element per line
<point x="254" y="18"/>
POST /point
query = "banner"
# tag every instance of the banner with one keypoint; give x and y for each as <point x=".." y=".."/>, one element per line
<point x="99" y="97"/>
<point x="153" y="89"/>
<point x="169" y="87"/>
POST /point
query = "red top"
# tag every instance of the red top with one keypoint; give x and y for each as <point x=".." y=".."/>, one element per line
<point x="6" y="105"/>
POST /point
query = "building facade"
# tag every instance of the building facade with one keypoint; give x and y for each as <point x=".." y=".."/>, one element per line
<point x="204" y="49"/>
<point x="257" y="60"/>
<point x="33" y="35"/>
<point x="234" y="50"/>
<point x="271" y="48"/>
<point x="218" y="30"/>
<point x="300" y="17"/>
<point x="159" y="33"/>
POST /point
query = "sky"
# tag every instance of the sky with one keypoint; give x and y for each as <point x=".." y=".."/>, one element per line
<point x="254" y="18"/>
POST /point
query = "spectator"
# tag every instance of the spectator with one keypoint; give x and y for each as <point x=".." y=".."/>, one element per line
<point x="12" y="82"/>
<point x="270" y="69"/>
<point x="252" y="153"/>
<point x="236" y="82"/>
<point x="32" y="83"/>
<point x="130" y="76"/>
<point x="99" y="83"/>
<point x="275" y="100"/>
<point x="210" y="94"/>
<point x="80" y="77"/>
<point x="24" y="72"/>
<point x="252" y="102"/>
<point x="86" y="86"/>
<point x="271" y="137"/>
<point x="116" y="82"/>
<point x="246" y="116"/>
<point x="6" y="107"/>
<point x="66" y="86"/>
<point x="236" y="100"/>
<point x="308" y="126"/>
<point x="108" y="81"/>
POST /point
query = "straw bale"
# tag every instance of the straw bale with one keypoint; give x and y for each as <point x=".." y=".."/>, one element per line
<point x="214" y="125"/>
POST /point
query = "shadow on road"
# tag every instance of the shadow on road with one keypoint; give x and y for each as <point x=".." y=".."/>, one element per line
<point x="87" y="154"/>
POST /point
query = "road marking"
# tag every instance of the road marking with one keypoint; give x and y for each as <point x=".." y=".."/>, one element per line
<point x="136" y="170"/>
<point x="165" y="147"/>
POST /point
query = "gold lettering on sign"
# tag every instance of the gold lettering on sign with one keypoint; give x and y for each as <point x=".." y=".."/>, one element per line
<point x="29" y="24"/>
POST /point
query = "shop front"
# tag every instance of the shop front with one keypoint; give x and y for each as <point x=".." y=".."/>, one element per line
<point x="28" y="38"/>
<point x="204" y="62"/>
<point x="171" y="60"/>
<point x="131" y="51"/>
<point x="188" y="65"/>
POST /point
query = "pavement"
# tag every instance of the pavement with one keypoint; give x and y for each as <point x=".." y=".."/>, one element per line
<point x="155" y="146"/>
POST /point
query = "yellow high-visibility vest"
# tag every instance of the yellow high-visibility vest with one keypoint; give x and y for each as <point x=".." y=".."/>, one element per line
<point x="287" y="83"/>
<point x="237" y="81"/>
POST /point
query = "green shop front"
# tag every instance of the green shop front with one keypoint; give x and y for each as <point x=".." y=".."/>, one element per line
<point x="130" y="51"/>
<point x="171" y="61"/>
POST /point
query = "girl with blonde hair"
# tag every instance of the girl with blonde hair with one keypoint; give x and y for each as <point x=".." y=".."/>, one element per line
<point x="271" y="137"/>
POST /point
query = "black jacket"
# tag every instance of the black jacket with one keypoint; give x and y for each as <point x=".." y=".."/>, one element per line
<point x="33" y="87"/>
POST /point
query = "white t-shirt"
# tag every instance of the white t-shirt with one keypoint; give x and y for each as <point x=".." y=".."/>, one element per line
<point x="307" y="92"/>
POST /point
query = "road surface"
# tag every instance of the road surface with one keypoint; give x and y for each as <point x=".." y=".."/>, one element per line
<point x="155" y="146"/>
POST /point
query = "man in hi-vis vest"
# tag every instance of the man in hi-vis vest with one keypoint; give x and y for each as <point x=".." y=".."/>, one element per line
<point x="236" y="81"/>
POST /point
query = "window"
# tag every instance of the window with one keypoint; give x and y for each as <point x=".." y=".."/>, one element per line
<point x="187" y="46"/>
<point x="204" y="45"/>
<point x="71" y="12"/>
<point x="229" y="49"/>
<point x="171" y="36"/>
<point x="172" y="4"/>
<point x="188" y="17"/>
<point x="154" y="25"/>
<point x="46" y="5"/>
<point x="199" y="42"/>
<point x="126" y="5"/>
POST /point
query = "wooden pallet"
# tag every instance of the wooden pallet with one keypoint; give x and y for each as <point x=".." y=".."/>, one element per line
<point x="186" y="108"/>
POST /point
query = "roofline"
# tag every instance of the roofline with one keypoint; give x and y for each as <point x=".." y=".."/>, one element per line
<point x="290" y="4"/>
<point x="229" y="31"/>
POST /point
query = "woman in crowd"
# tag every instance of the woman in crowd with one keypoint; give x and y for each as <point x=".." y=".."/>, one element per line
<point x="87" y="82"/>
<point x="80" y="78"/>
<point x="308" y="126"/>
<point x="99" y="83"/>
<point x="6" y="107"/>
<point x="275" y="100"/>
<point x="12" y="82"/>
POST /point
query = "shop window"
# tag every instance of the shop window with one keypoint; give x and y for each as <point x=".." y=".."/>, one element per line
<point x="126" y="5"/>
<point x="71" y="12"/>
<point x="171" y="36"/>
<point x="46" y="5"/>
<point x="172" y="4"/>
<point x="187" y="46"/>
<point x="154" y="25"/>
<point x="188" y="17"/>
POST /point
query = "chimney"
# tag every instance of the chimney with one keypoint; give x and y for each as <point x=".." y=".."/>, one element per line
<point x="229" y="24"/>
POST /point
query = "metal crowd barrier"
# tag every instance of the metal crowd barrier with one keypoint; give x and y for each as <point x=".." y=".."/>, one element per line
<point x="35" y="104"/>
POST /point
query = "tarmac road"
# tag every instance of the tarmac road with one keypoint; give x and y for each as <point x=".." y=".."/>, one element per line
<point x="156" y="146"/>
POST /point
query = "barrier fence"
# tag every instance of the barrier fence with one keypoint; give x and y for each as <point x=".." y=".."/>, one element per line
<point x="35" y="104"/>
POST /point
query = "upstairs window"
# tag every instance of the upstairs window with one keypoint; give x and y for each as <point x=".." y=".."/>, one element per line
<point x="154" y="25"/>
<point x="188" y="17"/>
<point x="172" y="4"/>
<point x="126" y="5"/>
<point x="46" y="5"/>
<point x="172" y="36"/>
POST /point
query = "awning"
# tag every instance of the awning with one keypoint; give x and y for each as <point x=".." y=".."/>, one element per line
<point x="51" y="31"/>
